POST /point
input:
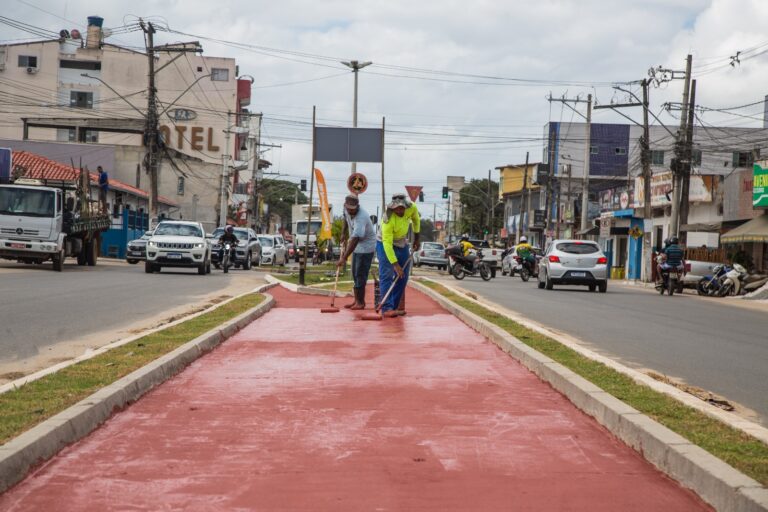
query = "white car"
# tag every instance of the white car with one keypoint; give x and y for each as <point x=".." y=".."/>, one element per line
<point x="273" y="252"/>
<point x="177" y="243"/>
<point x="574" y="262"/>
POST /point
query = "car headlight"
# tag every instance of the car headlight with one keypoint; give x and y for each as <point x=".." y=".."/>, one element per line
<point x="198" y="246"/>
<point x="152" y="244"/>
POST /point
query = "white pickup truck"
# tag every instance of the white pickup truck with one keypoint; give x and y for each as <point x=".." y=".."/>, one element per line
<point x="40" y="223"/>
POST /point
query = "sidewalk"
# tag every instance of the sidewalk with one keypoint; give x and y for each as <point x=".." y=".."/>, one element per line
<point x="310" y="411"/>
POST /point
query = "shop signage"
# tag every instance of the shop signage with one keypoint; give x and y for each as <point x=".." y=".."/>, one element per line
<point x="759" y="187"/>
<point x="700" y="190"/>
<point x="605" y="226"/>
<point x="539" y="219"/>
<point x="189" y="137"/>
<point x="183" y="114"/>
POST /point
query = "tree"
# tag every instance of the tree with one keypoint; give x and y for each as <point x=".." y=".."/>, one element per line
<point x="476" y="206"/>
<point x="427" y="230"/>
<point x="280" y="195"/>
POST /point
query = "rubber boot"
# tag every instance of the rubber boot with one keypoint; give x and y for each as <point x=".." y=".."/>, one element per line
<point x="359" y="299"/>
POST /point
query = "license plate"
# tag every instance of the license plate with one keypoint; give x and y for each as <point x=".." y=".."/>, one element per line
<point x="134" y="253"/>
<point x="578" y="274"/>
<point x="19" y="246"/>
<point x="174" y="256"/>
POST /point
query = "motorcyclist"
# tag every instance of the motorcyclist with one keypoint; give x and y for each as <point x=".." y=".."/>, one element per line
<point x="227" y="237"/>
<point x="673" y="257"/>
<point x="525" y="251"/>
<point x="466" y="248"/>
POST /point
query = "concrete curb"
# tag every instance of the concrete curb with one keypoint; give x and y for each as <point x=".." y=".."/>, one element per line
<point x="45" y="440"/>
<point x="306" y="290"/>
<point x="717" y="483"/>
<point x="748" y="427"/>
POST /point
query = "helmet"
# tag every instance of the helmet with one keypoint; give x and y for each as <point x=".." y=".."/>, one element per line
<point x="523" y="239"/>
<point x="229" y="229"/>
<point x="673" y="240"/>
<point x="464" y="238"/>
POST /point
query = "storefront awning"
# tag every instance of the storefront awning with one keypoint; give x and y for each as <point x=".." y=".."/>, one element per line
<point x="756" y="230"/>
<point x="703" y="227"/>
<point x="594" y="230"/>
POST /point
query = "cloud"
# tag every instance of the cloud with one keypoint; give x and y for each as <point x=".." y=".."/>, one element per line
<point x="587" y="41"/>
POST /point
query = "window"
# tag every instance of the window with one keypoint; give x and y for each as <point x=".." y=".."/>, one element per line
<point x="80" y="64"/>
<point x="219" y="74"/>
<point x="593" y="150"/>
<point x="578" y="248"/>
<point x="27" y="61"/>
<point x="696" y="157"/>
<point x="743" y="158"/>
<point x="180" y="186"/>
<point x="71" y="136"/>
<point x="621" y="151"/>
<point x="81" y="99"/>
<point x="657" y="157"/>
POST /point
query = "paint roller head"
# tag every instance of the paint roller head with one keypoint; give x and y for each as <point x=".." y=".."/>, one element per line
<point x="371" y="316"/>
<point x="329" y="310"/>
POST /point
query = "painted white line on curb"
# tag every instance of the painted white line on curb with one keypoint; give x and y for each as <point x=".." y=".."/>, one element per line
<point x="716" y="482"/>
<point x="46" y="439"/>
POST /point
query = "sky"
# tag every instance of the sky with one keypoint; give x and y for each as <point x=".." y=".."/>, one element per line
<point x="463" y="85"/>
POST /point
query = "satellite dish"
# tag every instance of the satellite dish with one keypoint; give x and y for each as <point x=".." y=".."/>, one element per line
<point x="75" y="34"/>
<point x="64" y="34"/>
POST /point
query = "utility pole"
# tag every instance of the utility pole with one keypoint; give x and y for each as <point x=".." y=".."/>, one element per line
<point x="687" y="164"/>
<point x="569" y="209"/>
<point x="255" y="178"/>
<point x="550" y="178"/>
<point x="224" y="190"/>
<point x="674" y="221"/>
<point x="355" y="66"/>
<point x="151" y="128"/>
<point x="523" y="207"/>
<point x="491" y="205"/>
<point x="587" y="152"/>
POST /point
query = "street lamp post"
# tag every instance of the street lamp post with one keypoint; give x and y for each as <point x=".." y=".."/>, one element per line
<point x="355" y="66"/>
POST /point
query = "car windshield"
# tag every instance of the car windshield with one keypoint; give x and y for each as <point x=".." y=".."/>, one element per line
<point x="241" y="234"/>
<point x="432" y="246"/>
<point x="483" y="244"/>
<point x="178" y="230"/>
<point x="27" y="203"/>
<point x="265" y="242"/>
<point x="301" y="227"/>
<point x="577" y="248"/>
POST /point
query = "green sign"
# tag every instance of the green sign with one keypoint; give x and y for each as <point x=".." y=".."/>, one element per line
<point x="760" y="187"/>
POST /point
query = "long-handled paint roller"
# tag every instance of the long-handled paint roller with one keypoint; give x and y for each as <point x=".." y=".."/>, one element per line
<point x="376" y="315"/>
<point x="332" y="308"/>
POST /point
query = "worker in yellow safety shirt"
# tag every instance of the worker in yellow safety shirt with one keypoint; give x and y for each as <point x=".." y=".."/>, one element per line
<point x="393" y="252"/>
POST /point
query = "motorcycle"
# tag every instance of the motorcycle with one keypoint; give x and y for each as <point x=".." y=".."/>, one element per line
<point x="670" y="280"/>
<point x="226" y="258"/>
<point x="462" y="267"/>
<point x="525" y="268"/>
<point x="710" y="286"/>
<point x="733" y="281"/>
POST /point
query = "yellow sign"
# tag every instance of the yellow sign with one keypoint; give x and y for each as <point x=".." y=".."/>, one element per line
<point x="325" y="213"/>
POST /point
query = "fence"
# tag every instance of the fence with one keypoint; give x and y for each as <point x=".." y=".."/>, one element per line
<point x="706" y="254"/>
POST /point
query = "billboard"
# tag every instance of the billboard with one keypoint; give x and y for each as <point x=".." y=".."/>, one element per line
<point x="759" y="187"/>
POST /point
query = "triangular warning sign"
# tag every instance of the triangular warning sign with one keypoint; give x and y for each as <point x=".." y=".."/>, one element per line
<point x="413" y="191"/>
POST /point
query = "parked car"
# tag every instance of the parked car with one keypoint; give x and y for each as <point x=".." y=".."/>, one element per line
<point x="137" y="249"/>
<point x="574" y="262"/>
<point x="431" y="254"/>
<point x="508" y="262"/>
<point x="247" y="253"/>
<point x="178" y="244"/>
<point x="272" y="252"/>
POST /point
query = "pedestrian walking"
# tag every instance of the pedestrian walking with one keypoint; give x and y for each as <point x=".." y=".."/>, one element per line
<point x="103" y="188"/>
<point x="359" y="241"/>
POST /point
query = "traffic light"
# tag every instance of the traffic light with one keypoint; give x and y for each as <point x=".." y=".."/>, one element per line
<point x="445" y="192"/>
<point x="303" y="186"/>
<point x="421" y="197"/>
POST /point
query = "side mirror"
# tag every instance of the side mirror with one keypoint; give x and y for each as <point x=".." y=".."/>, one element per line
<point x="148" y="233"/>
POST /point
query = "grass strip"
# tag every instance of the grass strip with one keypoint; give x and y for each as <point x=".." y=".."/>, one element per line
<point x="740" y="450"/>
<point x="34" y="402"/>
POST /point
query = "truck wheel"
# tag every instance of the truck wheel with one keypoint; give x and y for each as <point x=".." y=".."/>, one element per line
<point x="91" y="252"/>
<point x="58" y="261"/>
<point x="81" y="260"/>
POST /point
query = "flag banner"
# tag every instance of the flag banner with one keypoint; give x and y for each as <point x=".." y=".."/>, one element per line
<point x="325" y="213"/>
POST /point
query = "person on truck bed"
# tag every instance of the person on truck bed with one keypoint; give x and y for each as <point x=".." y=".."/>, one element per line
<point x="103" y="188"/>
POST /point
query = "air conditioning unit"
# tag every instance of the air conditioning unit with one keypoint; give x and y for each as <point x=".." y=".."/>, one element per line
<point x="31" y="70"/>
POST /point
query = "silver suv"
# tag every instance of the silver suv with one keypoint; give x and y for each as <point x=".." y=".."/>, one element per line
<point x="578" y="262"/>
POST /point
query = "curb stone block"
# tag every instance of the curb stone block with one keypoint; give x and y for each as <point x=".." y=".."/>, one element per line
<point x="648" y="437"/>
<point x="755" y="499"/>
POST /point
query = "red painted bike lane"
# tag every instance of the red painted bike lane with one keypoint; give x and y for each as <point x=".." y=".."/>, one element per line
<point x="310" y="411"/>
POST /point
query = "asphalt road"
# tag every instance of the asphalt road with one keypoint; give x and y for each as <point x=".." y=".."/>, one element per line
<point x="41" y="308"/>
<point x="704" y="342"/>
